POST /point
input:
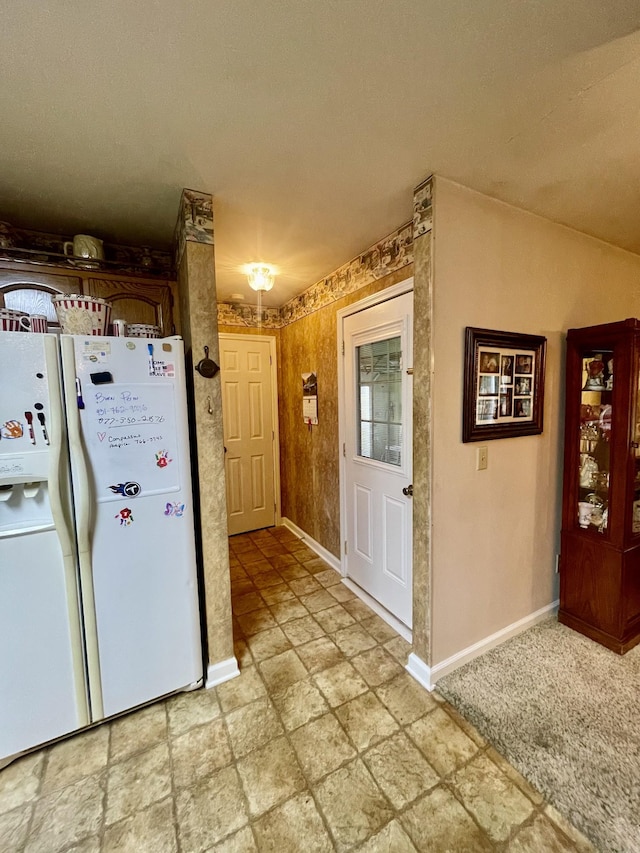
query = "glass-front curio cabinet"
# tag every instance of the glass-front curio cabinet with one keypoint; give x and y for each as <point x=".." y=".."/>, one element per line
<point x="600" y="551"/>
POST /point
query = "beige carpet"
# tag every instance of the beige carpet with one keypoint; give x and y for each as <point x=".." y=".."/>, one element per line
<point x="566" y="713"/>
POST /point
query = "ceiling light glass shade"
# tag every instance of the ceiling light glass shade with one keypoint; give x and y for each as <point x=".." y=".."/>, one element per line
<point x="260" y="277"/>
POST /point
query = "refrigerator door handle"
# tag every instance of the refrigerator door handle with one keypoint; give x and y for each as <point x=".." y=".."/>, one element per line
<point x="82" y="494"/>
<point x="62" y="525"/>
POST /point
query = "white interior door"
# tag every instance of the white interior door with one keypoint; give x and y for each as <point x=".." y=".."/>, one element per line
<point x="377" y="450"/>
<point x="248" y="387"/>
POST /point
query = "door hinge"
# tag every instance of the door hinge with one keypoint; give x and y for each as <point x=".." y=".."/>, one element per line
<point x="270" y="359"/>
<point x="273" y="435"/>
<point x="344" y="449"/>
<point x="346" y="547"/>
<point x="342" y="347"/>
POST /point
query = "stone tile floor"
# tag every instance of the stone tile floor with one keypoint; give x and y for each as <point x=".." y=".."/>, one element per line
<point x="323" y="743"/>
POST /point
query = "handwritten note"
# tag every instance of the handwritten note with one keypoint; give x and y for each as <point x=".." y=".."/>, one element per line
<point x="125" y="427"/>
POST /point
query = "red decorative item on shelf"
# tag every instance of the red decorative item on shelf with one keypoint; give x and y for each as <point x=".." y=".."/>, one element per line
<point x="595" y="380"/>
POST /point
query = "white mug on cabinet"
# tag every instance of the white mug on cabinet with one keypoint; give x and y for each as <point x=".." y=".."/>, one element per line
<point x="84" y="246"/>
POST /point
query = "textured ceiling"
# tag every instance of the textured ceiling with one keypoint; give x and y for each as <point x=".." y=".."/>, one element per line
<point x="311" y="122"/>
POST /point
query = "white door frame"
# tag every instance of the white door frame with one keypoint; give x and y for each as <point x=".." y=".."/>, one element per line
<point x="228" y="336"/>
<point x="385" y="295"/>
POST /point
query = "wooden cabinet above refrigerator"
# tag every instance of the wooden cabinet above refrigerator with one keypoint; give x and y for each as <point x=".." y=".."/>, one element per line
<point x="134" y="299"/>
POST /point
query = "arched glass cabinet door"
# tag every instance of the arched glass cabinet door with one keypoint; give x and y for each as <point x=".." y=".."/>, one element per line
<point x="33" y="292"/>
<point x="33" y="300"/>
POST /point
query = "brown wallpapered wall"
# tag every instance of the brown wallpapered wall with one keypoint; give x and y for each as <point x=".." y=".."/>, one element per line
<point x="309" y="460"/>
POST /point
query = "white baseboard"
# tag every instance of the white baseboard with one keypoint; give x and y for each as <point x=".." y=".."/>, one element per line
<point x="222" y="671"/>
<point x="443" y="668"/>
<point x="417" y="668"/>
<point x="428" y="676"/>
<point x="320" y="550"/>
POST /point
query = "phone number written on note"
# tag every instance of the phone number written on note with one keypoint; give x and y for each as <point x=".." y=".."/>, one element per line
<point x="121" y="410"/>
<point x="131" y="421"/>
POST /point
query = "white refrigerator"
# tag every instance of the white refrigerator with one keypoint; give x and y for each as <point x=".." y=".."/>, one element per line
<point x="98" y="590"/>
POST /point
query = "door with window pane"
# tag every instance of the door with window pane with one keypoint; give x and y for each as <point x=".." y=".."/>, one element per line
<point x="379" y="396"/>
<point x="378" y="466"/>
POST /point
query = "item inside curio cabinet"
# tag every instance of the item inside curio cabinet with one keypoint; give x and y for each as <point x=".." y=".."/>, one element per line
<point x="595" y="434"/>
<point x="595" y="375"/>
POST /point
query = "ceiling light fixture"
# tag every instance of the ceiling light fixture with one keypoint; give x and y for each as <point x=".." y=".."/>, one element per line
<point x="261" y="277"/>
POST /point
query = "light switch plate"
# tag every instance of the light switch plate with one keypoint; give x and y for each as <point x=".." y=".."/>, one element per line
<point x="482" y="459"/>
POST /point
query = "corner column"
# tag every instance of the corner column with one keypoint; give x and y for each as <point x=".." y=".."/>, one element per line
<point x="198" y="312"/>
<point x="420" y="658"/>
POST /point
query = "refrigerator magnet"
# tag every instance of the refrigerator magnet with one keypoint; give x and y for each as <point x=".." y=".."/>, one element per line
<point x="101" y="378"/>
<point x="161" y="368"/>
<point x="162" y="458"/>
<point x="12" y="429"/>
<point x="175" y="510"/>
<point x="96" y="352"/>
<point x="127" y="490"/>
<point x="125" y="517"/>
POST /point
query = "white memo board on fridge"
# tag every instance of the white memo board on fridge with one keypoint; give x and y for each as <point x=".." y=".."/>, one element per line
<point x="130" y="432"/>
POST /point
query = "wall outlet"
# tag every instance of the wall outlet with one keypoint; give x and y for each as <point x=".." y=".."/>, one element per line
<point x="482" y="459"/>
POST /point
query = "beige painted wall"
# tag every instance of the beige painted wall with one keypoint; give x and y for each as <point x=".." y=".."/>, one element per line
<point x="496" y="532"/>
<point x="309" y="460"/>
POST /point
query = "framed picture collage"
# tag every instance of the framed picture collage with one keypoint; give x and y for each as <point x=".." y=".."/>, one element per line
<point x="504" y="378"/>
<point x="505" y="385"/>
